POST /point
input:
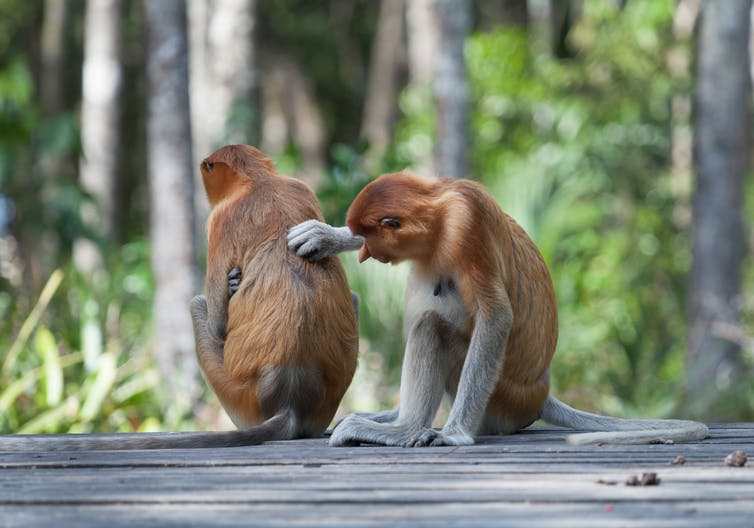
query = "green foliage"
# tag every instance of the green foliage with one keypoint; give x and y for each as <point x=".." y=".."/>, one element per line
<point x="80" y="361"/>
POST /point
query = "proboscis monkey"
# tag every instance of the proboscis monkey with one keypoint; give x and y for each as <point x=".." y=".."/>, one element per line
<point x="481" y="317"/>
<point x="276" y="335"/>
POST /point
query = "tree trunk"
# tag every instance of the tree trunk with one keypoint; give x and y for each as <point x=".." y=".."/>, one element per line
<point x="507" y="12"/>
<point x="223" y="82"/>
<point x="722" y="143"/>
<point x="381" y="103"/>
<point x="451" y="88"/>
<point x="679" y="61"/>
<point x="290" y="113"/>
<point x="100" y="126"/>
<point x="563" y="13"/>
<point x="171" y="186"/>
<point x="52" y="54"/>
<point x="422" y="40"/>
<point x="49" y="163"/>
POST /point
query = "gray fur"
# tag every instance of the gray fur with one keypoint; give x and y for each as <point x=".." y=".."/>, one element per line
<point x="355" y="304"/>
<point x="315" y="240"/>
<point x="612" y="430"/>
<point x="283" y="387"/>
<point x="389" y="416"/>
<point x="480" y="374"/>
<point x="279" y="427"/>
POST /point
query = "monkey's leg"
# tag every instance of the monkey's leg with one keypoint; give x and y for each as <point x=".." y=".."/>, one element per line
<point x="381" y="416"/>
<point x="426" y="366"/>
<point x="480" y="373"/>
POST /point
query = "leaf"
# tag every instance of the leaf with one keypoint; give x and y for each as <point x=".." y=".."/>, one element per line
<point x="48" y="420"/>
<point x="91" y="336"/>
<point x="47" y="348"/>
<point x="31" y="322"/>
<point x="141" y="382"/>
<point x="14" y="389"/>
<point x="103" y="382"/>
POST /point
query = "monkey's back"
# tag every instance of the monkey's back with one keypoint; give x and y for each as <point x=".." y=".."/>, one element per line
<point x="524" y="383"/>
<point x="292" y="336"/>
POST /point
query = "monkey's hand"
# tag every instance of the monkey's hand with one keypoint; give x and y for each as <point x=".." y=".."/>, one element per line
<point x="234" y="281"/>
<point x="315" y="240"/>
<point x="433" y="437"/>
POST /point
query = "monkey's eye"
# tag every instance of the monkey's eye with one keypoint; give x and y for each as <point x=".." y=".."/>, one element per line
<point x="392" y="223"/>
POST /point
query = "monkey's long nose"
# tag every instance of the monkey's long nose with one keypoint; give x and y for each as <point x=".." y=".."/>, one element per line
<point x="364" y="253"/>
<point x="207" y="165"/>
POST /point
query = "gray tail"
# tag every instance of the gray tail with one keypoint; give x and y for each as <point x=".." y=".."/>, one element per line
<point x="283" y="426"/>
<point x="611" y="430"/>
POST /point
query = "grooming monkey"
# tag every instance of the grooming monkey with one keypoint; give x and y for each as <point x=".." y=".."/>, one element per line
<point x="481" y="317"/>
<point x="276" y="335"/>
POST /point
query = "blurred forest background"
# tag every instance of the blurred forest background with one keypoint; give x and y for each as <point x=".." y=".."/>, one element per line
<point x="618" y="133"/>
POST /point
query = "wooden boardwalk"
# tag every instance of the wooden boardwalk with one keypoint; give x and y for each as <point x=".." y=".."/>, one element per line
<point x="530" y="479"/>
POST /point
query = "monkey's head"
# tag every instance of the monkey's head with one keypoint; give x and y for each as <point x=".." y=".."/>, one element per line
<point x="233" y="168"/>
<point x="396" y="216"/>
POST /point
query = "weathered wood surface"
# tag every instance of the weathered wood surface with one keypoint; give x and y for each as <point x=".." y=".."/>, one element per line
<point x="531" y="479"/>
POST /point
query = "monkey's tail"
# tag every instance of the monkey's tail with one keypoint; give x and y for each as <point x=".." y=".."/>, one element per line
<point x="611" y="430"/>
<point x="282" y="426"/>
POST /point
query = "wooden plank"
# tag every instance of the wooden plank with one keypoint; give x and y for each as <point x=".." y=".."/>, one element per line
<point x="597" y="515"/>
<point x="529" y="479"/>
<point x="538" y="446"/>
<point x="315" y="485"/>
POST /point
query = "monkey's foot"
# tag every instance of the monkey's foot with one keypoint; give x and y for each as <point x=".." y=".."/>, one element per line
<point x="433" y="437"/>
<point x="234" y="280"/>
<point x="354" y="430"/>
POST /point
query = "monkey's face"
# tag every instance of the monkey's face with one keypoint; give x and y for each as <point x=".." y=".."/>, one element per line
<point x="395" y="216"/>
<point x="218" y="178"/>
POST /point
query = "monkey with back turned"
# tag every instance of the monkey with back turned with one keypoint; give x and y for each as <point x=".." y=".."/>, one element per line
<point x="276" y="336"/>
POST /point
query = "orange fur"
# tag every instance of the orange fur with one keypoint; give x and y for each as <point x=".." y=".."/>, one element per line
<point x="454" y="228"/>
<point x="287" y="312"/>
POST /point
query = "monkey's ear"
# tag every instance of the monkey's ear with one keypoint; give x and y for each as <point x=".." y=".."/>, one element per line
<point x="392" y="223"/>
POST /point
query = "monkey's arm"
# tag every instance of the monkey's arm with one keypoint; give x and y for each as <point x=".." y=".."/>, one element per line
<point x="481" y="372"/>
<point x="209" y="351"/>
<point x="315" y="240"/>
<point x="220" y="286"/>
<point x="209" y="347"/>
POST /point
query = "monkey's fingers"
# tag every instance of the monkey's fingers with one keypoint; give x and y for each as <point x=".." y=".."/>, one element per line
<point x="311" y="250"/>
<point x="452" y="439"/>
<point x="310" y="239"/>
<point x="234" y="281"/>
<point x="434" y="438"/>
<point x="305" y="228"/>
<point x="425" y="438"/>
